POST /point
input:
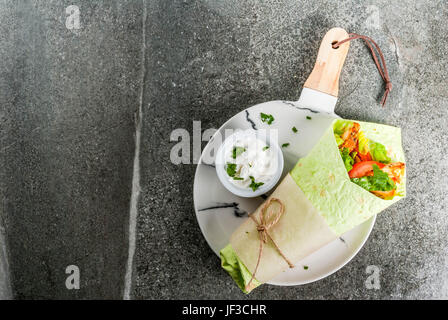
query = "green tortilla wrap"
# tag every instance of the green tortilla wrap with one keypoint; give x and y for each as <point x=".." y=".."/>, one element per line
<point x="323" y="178"/>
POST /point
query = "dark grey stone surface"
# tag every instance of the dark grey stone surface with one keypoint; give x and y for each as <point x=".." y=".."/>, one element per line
<point x="67" y="101"/>
<point x="5" y="283"/>
<point x="208" y="60"/>
<point x="67" y="104"/>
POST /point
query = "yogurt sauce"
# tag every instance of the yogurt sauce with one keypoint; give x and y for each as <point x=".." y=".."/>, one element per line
<point x="253" y="158"/>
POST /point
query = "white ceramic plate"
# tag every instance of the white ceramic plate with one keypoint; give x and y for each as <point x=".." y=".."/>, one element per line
<point x="220" y="212"/>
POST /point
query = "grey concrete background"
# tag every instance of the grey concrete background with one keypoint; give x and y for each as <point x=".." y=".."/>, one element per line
<point x="68" y="99"/>
<point x="68" y="102"/>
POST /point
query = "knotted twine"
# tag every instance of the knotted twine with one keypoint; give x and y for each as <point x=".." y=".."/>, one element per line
<point x="381" y="67"/>
<point x="267" y="221"/>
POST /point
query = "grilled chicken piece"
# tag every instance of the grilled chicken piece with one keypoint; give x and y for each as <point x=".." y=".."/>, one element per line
<point x="386" y="195"/>
<point x="394" y="170"/>
<point x="350" y="137"/>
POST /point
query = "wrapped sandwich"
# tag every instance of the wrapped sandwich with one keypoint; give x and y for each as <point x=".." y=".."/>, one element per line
<point x="355" y="171"/>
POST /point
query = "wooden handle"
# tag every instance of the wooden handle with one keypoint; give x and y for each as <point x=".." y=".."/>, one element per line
<point x="329" y="62"/>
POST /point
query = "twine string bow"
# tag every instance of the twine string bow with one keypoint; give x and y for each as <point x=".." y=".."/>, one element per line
<point x="380" y="66"/>
<point x="268" y="219"/>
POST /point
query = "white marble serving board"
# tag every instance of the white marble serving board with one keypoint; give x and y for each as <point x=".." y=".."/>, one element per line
<point x="220" y="212"/>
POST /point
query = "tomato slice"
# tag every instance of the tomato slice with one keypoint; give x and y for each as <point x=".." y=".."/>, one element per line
<point x="364" y="168"/>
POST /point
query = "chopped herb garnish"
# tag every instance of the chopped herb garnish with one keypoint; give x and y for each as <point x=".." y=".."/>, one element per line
<point x="285" y="145"/>
<point x="294" y="129"/>
<point x="255" y="185"/>
<point x="231" y="169"/>
<point x="268" y="118"/>
<point x="238" y="178"/>
<point x="305" y="267"/>
<point x="265" y="148"/>
<point x="237" y="151"/>
<point x="308" y="117"/>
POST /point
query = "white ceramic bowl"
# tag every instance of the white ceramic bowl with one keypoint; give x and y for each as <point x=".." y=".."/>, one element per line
<point x="268" y="136"/>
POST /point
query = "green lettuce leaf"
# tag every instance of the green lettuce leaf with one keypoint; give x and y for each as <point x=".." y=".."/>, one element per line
<point x="236" y="268"/>
<point x="378" y="152"/>
<point x="347" y="159"/>
<point x="340" y="126"/>
<point x="380" y="181"/>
